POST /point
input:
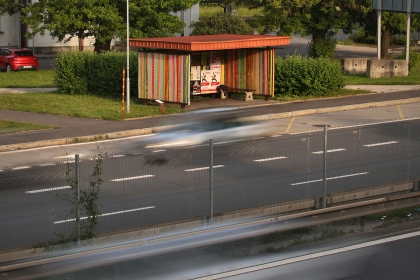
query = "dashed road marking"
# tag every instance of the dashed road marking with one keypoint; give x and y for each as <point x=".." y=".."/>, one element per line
<point x="381" y="144"/>
<point x="331" y="178"/>
<point x="107" y="214"/>
<point x="203" y="168"/>
<point x="132" y="178"/>
<point x="49" y="190"/>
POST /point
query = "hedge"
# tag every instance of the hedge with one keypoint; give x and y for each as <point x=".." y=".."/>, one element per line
<point x="302" y="76"/>
<point x="96" y="74"/>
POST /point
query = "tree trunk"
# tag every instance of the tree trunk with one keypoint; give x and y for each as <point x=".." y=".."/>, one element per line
<point x="100" y="46"/>
<point x="385" y="40"/>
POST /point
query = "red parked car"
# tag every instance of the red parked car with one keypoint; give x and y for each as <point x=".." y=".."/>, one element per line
<point x="13" y="59"/>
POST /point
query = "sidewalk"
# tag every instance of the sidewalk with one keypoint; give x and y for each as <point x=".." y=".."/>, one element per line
<point x="82" y="130"/>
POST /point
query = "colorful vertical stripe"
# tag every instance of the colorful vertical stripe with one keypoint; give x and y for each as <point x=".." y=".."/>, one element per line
<point x="164" y="77"/>
<point x="250" y="68"/>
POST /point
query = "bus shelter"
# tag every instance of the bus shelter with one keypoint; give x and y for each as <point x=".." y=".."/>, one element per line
<point x="172" y="69"/>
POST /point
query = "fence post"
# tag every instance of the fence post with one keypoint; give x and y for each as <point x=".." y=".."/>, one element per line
<point x="324" y="196"/>
<point x="211" y="181"/>
<point x="77" y="180"/>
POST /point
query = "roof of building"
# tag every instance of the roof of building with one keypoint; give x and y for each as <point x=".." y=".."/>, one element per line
<point x="211" y="42"/>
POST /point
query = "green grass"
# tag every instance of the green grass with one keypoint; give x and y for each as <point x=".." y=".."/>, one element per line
<point x="22" y="79"/>
<point x="13" y="127"/>
<point x="412" y="79"/>
<point x="83" y="106"/>
<point x="341" y="92"/>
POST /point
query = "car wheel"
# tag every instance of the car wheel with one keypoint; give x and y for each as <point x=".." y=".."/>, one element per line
<point x="9" y="68"/>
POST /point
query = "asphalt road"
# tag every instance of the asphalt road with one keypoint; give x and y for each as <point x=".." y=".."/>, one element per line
<point x="138" y="192"/>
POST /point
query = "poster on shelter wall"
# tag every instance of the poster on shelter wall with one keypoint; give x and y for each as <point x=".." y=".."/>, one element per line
<point x="211" y="64"/>
<point x="210" y="80"/>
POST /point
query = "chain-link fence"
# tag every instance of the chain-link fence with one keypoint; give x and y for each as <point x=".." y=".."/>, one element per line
<point x="160" y="186"/>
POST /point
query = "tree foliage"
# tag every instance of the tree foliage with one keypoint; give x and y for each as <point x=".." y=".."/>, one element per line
<point x="320" y="19"/>
<point x="221" y="23"/>
<point x="103" y="19"/>
<point x="392" y="24"/>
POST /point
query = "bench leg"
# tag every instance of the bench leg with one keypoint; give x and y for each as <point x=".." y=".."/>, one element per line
<point x="223" y="94"/>
<point x="248" y="96"/>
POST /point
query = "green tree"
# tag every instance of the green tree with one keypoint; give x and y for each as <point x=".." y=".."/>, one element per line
<point x="103" y="19"/>
<point x="320" y="19"/>
<point x="221" y="23"/>
<point x="392" y="24"/>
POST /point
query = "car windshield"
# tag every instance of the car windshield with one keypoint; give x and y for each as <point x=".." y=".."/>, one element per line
<point x="23" y="53"/>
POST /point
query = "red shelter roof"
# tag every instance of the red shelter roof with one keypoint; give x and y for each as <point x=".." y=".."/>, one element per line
<point x="211" y="42"/>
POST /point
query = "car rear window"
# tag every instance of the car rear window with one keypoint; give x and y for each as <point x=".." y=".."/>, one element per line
<point x="23" y="53"/>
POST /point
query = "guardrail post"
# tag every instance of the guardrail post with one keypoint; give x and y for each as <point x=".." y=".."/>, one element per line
<point x="362" y="223"/>
<point x="211" y="181"/>
<point x="416" y="186"/>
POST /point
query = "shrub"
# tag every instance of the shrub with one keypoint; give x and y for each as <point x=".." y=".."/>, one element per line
<point x="96" y="74"/>
<point x="361" y="37"/>
<point x="301" y="76"/>
<point x="321" y="48"/>
<point x="413" y="58"/>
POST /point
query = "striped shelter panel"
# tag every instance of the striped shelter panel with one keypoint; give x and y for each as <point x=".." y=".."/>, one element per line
<point x="250" y="69"/>
<point x="164" y="76"/>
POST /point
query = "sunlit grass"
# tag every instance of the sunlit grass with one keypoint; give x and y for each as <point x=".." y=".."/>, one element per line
<point x="338" y="93"/>
<point x="13" y="127"/>
<point x="412" y="79"/>
<point x="83" y="106"/>
<point x="25" y="79"/>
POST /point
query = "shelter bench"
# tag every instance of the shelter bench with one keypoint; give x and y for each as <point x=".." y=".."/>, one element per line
<point x="225" y="90"/>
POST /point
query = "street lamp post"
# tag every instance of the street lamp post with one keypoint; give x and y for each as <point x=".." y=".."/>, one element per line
<point x="128" y="62"/>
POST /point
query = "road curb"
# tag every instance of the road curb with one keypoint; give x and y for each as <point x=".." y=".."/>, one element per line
<point x="83" y="139"/>
<point x="137" y="132"/>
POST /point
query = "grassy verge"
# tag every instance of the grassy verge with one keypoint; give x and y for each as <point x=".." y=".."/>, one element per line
<point x="30" y="79"/>
<point x="12" y="127"/>
<point x="341" y="92"/>
<point x="83" y="106"/>
<point x="412" y="79"/>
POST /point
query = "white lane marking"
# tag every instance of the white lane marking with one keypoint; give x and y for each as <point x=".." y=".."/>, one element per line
<point x="132" y="178"/>
<point x="203" y="168"/>
<point x="330" y="151"/>
<point x="308" y="257"/>
<point x="268" y="159"/>
<point x="117" y="156"/>
<point x="67" y="156"/>
<point x="351" y="126"/>
<point x="331" y="178"/>
<point x="46" y="164"/>
<point x="380" y="144"/>
<point x="21" y="167"/>
<point x="159" y="151"/>
<point x="107" y="214"/>
<point x="49" y="190"/>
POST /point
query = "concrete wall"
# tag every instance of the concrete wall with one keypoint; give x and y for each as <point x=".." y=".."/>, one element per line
<point x="354" y="65"/>
<point x="10" y="30"/>
<point x="386" y="68"/>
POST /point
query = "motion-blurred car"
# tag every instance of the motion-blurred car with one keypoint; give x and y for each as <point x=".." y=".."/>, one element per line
<point x="200" y="132"/>
<point x="14" y="59"/>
